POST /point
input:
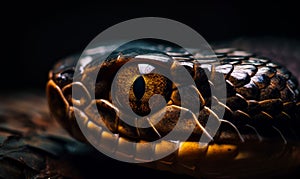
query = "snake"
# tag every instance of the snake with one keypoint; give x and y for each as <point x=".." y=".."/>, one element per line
<point x="258" y="133"/>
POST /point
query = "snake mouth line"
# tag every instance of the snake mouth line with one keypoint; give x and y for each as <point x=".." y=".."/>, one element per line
<point x="222" y="137"/>
<point x="183" y="157"/>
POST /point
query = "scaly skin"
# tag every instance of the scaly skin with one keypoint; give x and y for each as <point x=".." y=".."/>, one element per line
<point x="258" y="134"/>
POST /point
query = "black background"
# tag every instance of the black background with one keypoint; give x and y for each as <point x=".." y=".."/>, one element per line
<point x="35" y="36"/>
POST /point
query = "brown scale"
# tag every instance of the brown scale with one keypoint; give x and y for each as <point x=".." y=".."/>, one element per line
<point x="260" y="122"/>
<point x="257" y="90"/>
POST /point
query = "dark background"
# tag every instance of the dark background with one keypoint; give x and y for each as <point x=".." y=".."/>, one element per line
<point x="35" y="36"/>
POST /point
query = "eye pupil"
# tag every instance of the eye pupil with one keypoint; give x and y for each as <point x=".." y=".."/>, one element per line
<point x="139" y="87"/>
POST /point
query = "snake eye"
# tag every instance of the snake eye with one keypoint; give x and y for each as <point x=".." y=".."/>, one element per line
<point x="139" y="87"/>
<point x="64" y="77"/>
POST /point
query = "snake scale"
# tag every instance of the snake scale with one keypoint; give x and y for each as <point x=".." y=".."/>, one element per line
<point x="258" y="134"/>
